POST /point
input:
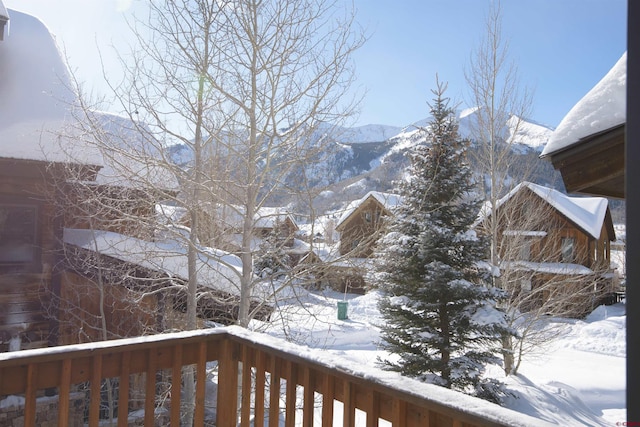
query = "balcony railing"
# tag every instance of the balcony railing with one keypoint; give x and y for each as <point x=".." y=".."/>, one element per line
<point x="260" y="380"/>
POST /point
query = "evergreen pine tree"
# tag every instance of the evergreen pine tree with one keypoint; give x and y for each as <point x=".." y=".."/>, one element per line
<point x="440" y="317"/>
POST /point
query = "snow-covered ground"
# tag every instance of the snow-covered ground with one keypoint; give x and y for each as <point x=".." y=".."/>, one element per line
<point x="576" y="379"/>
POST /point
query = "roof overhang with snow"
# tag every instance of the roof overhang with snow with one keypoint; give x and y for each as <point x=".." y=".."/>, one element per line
<point x="595" y="164"/>
<point x="588" y="145"/>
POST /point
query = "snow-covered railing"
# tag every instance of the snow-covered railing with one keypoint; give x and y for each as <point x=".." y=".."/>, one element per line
<point x="258" y="379"/>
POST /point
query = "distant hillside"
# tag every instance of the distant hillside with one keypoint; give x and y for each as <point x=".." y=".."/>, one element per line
<point x="360" y="159"/>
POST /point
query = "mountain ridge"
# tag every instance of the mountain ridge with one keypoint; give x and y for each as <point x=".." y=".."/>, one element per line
<point x="371" y="157"/>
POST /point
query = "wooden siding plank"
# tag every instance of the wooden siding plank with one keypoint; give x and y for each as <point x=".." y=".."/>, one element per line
<point x="63" y="394"/>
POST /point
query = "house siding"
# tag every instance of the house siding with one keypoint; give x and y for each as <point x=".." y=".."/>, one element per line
<point x="25" y="288"/>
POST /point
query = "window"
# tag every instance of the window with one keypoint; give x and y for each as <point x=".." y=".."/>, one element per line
<point x="355" y="243"/>
<point x="18" y="234"/>
<point x="568" y="249"/>
<point x="525" y="251"/>
<point x="367" y="216"/>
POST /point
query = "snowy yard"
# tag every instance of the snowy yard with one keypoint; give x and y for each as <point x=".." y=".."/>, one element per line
<point x="577" y="379"/>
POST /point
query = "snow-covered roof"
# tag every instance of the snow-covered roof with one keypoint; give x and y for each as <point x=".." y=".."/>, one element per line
<point x="35" y="94"/>
<point x="39" y="115"/>
<point x="549" y="267"/>
<point x="387" y="200"/>
<point x="602" y="108"/>
<point x="216" y="269"/>
<point x="588" y="213"/>
<point x="527" y="233"/>
<point x="265" y="217"/>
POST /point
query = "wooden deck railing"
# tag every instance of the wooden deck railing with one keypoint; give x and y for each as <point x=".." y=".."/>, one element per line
<point x="260" y="380"/>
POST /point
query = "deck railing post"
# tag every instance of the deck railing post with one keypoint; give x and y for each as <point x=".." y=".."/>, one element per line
<point x="227" y="412"/>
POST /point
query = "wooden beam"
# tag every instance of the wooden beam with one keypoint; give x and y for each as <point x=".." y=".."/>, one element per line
<point x="228" y="385"/>
<point x="30" y="395"/>
<point x="96" y="383"/>
<point x="201" y="380"/>
<point x="261" y="366"/>
<point x="123" y="392"/>
<point x="274" y="393"/>
<point x="63" y="393"/>
<point x="245" y="416"/>
<point x="150" y="389"/>
<point x="291" y="394"/>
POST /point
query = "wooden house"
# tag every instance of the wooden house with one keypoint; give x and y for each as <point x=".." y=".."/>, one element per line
<point x="359" y="227"/>
<point x="344" y="274"/>
<point x="267" y="221"/>
<point x="548" y="240"/>
<point x="360" y="224"/>
<point x="276" y="222"/>
<point x="223" y="225"/>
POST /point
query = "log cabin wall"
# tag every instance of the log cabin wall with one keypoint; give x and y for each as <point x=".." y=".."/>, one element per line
<point x="118" y="209"/>
<point x="86" y="303"/>
<point x="30" y="233"/>
<point x="579" y="295"/>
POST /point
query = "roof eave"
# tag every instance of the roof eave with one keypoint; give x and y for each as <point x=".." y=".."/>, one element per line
<point x="582" y="144"/>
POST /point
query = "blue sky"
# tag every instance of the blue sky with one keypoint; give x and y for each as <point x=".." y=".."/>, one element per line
<point x="561" y="47"/>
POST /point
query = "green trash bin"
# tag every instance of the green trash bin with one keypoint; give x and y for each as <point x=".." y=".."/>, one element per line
<point x="342" y="310"/>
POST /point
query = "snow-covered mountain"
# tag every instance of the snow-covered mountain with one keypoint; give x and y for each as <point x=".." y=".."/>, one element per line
<point x="523" y="133"/>
<point x="369" y="133"/>
<point x="373" y="155"/>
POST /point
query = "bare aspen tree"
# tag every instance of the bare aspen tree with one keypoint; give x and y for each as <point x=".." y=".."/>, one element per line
<point x="502" y="105"/>
<point x="243" y="84"/>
